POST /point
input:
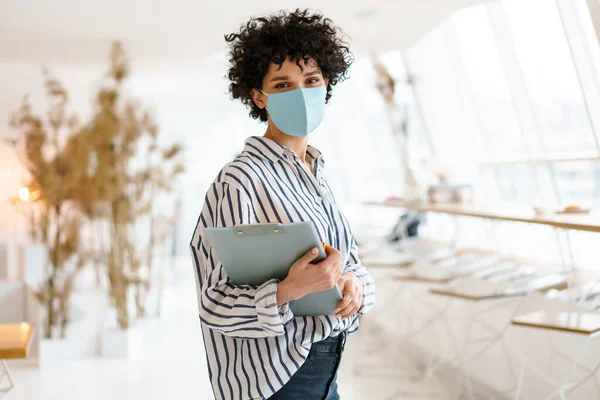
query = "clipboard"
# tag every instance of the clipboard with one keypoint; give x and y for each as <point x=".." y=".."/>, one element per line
<point x="253" y="254"/>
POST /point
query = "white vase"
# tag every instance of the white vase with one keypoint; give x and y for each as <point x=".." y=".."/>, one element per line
<point x="54" y="353"/>
<point x="121" y="343"/>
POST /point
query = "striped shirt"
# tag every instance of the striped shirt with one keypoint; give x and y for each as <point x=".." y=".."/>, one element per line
<point x="253" y="346"/>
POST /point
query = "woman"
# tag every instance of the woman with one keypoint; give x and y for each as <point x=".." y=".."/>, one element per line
<point x="283" y="68"/>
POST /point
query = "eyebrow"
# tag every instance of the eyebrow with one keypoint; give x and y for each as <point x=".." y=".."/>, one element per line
<point x="286" y="77"/>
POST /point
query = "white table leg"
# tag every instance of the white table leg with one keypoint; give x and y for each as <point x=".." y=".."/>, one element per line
<point x="569" y="382"/>
<point x="5" y="374"/>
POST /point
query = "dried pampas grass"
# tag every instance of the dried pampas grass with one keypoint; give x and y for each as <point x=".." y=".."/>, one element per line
<point x="84" y="174"/>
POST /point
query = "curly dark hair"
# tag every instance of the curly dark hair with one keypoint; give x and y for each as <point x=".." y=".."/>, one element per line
<point x="298" y="36"/>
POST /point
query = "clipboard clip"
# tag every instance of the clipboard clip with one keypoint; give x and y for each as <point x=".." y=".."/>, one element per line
<point x="259" y="230"/>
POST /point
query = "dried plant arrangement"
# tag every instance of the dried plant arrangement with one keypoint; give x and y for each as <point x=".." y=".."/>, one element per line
<point x="397" y="115"/>
<point x="120" y="128"/>
<point x="56" y="155"/>
<point x="93" y="175"/>
<point x="156" y="178"/>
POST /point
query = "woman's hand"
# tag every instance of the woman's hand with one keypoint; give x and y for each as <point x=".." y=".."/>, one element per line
<point x="304" y="277"/>
<point x="352" y="289"/>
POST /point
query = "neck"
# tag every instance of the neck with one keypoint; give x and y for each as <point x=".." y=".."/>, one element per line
<point x="296" y="144"/>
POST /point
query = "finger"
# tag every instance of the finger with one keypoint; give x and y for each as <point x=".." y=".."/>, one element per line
<point x="326" y="263"/>
<point x="359" y="296"/>
<point x="350" y="311"/>
<point x="336" y="259"/>
<point x="346" y="301"/>
<point x="334" y="263"/>
<point x="339" y="274"/>
<point x="329" y="250"/>
<point x="335" y="277"/>
<point x="309" y="256"/>
<point x="344" y="284"/>
<point x="333" y="254"/>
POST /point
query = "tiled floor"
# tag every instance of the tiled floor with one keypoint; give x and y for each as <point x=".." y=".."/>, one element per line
<point x="173" y="364"/>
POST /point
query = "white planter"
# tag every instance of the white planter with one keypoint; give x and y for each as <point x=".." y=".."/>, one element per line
<point x="54" y="353"/>
<point x="117" y="343"/>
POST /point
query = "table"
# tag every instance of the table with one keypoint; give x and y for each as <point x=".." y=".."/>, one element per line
<point x="550" y="315"/>
<point x="568" y="321"/>
<point x="543" y="317"/>
<point x="15" y="340"/>
<point x="580" y="222"/>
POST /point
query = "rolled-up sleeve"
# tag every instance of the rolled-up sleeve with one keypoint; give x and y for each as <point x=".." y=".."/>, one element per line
<point x="235" y="310"/>
<point x="355" y="266"/>
<point x="269" y="315"/>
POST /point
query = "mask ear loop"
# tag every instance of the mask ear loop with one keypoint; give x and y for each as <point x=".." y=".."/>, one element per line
<point x="268" y="125"/>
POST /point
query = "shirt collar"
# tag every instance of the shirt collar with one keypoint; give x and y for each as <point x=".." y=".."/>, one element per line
<point x="273" y="151"/>
<point x="314" y="153"/>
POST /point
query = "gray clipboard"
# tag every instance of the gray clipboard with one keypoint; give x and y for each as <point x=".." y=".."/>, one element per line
<point x="253" y="254"/>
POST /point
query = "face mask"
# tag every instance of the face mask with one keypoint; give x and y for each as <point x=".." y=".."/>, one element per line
<point x="297" y="112"/>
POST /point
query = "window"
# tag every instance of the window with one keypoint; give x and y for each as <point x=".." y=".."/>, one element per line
<point x="578" y="182"/>
<point x="445" y="101"/>
<point x="518" y="183"/>
<point x="587" y="26"/>
<point x="357" y="142"/>
<point x="550" y="76"/>
<point x="586" y="54"/>
<point x="522" y="76"/>
<point x="487" y="80"/>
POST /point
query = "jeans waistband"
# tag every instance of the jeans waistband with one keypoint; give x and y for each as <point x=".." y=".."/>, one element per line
<point x="331" y="343"/>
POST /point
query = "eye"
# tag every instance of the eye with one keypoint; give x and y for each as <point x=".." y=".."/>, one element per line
<point x="312" y="81"/>
<point x="281" y="86"/>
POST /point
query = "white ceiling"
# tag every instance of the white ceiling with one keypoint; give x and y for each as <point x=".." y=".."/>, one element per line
<point x="186" y="31"/>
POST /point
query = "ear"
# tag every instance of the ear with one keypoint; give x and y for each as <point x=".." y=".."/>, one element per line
<point x="259" y="99"/>
<point x="326" y="82"/>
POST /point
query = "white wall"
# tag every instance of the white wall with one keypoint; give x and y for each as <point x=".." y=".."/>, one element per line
<point x="193" y="108"/>
<point x="16" y="81"/>
<point x="12" y="298"/>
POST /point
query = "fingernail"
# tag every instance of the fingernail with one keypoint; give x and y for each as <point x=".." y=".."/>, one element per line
<point x="315" y="251"/>
<point x="336" y="310"/>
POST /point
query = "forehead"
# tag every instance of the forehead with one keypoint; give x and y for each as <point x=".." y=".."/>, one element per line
<point x="291" y="67"/>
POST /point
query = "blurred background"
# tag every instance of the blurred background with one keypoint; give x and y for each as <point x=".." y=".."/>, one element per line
<point x="464" y="149"/>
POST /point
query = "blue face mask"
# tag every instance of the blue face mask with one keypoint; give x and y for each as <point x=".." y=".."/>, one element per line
<point x="297" y="112"/>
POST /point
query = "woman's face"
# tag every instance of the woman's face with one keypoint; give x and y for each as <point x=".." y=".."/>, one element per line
<point x="289" y="76"/>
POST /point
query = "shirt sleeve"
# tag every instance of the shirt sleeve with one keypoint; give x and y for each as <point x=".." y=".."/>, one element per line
<point x="355" y="266"/>
<point x="235" y="310"/>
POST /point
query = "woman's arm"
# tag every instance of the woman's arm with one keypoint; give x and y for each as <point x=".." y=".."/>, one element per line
<point x="234" y="310"/>
<point x="355" y="266"/>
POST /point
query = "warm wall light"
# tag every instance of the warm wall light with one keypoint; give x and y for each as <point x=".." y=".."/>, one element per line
<point x="24" y="194"/>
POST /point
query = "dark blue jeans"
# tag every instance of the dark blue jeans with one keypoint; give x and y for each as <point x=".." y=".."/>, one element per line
<point x="316" y="378"/>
